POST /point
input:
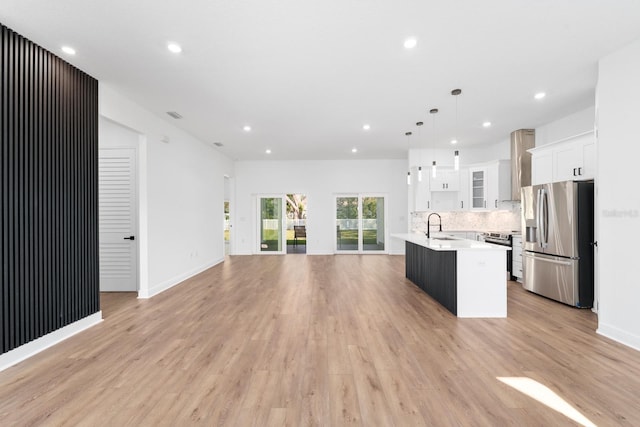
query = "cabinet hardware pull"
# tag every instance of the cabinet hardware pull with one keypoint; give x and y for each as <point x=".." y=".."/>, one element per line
<point x="579" y="171"/>
<point x="574" y="172"/>
<point x="461" y="204"/>
<point x="496" y="203"/>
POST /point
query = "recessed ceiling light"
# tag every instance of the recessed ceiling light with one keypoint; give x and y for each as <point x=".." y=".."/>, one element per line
<point x="410" y="43"/>
<point x="366" y="127"/>
<point x="68" y="50"/>
<point x="354" y="150"/>
<point x="174" y="47"/>
<point x="247" y="128"/>
<point x="268" y="151"/>
<point x="540" y="95"/>
<point x="454" y="141"/>
<point x="486" y="124"/>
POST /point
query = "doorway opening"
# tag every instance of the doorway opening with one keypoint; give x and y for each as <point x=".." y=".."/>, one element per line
<point x="227" y="228"/>
<point x="296" y="212"/>
<point x="227" y="216"/>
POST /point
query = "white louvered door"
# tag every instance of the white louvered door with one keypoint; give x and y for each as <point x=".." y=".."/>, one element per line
<point x="117" y="218"/>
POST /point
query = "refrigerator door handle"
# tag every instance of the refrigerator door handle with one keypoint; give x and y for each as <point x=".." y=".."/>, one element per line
<point x="538" y="215"/>
<point x="544" y="219"/>
<point x="552" y="261"/>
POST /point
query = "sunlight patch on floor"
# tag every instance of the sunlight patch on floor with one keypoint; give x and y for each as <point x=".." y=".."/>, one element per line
<point x="546" y="396"/>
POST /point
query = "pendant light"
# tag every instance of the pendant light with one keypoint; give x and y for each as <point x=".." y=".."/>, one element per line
<point x="456" y="157"/>
<point x="408" y="134"/>
<point x="433" y="112"/>
<point x="419" y="124"/>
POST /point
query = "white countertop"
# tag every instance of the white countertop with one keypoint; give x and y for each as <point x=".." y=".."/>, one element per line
<point x="450" y="244"/>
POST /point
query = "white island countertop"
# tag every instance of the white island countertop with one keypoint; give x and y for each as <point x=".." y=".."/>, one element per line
<point x="442" y="242"/>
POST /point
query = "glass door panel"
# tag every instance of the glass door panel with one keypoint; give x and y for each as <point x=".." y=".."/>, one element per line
<point x="373" y="233"/>
<point x="478" y="188"/>
<point x="271" y="232"/>
<point x="347" y="227"/>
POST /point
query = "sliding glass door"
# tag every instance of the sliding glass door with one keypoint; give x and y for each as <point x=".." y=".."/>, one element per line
<point x="347" y="223"/>
<point x="270" y="225"/>
<point x="360" y="223"/>
<point x="373" y="227"/>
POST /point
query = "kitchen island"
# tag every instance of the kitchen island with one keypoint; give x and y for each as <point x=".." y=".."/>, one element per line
<point x="465" y="276"/>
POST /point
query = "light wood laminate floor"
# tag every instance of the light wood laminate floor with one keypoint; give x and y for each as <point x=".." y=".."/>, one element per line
<point x="322" y="340"/>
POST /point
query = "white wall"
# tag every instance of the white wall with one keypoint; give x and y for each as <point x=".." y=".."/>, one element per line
<point x="181" y="200"/>
<point x="319" y="180"/>
<point x="573" y="124"/>
<point x="617" y="197"/>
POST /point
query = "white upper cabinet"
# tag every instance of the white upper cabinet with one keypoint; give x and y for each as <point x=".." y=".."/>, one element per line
<point x="462" y="202"/>
<point x="499" y="180"/>
<point x="489" y="185"/>
<point x="570" y="159"/>
<point x="478" y="188"/>
<point x="422" y="192"/>
<point x="446" y="180"/>
<point x="541" y="167"/>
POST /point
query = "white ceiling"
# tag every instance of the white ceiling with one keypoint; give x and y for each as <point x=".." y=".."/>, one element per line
<point x="307" y="74"/>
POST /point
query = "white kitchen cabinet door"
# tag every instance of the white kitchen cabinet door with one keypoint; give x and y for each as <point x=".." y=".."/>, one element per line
<point x="489" y="185"/>
<point x="498" y="183"/>
<point x="565" y="162"/>
<point x="422" y="192"/>
<point x="463" y="193"/>
<point x="588" y="150"/>
<point x="478" y="188"/>
<point x="541" y="167"/>
<point x="445" y="180"/>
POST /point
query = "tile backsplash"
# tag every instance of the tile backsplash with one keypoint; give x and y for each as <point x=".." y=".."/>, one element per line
<point x="502" y="220"/>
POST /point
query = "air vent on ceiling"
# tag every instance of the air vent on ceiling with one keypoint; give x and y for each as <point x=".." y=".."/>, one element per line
<point x="218" y="144"/>
<point x="174" y="114"/>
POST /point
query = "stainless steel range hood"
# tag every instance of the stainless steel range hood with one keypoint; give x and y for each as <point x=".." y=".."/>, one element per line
<point x="521" y="141"/>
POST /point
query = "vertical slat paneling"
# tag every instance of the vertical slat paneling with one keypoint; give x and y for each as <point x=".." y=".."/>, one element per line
<point x="48" y="200"/>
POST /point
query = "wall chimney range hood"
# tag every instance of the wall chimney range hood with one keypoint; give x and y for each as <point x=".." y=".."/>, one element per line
<point x="521" y="141"/>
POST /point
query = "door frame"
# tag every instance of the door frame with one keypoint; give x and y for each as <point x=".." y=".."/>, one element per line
<point x="228" y="183"/>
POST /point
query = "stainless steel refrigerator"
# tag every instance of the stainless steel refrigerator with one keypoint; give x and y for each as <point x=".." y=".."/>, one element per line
<point x="558" y="243"/>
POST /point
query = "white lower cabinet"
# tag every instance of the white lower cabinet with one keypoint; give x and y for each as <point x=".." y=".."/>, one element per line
<point x="516" y="253"/>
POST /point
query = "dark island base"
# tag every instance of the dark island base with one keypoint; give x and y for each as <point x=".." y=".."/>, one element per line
<point x="434" y="272"/>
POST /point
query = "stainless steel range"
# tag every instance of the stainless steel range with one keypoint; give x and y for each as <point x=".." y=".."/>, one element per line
<point x="498" y="238"/>
<point x="502" y="238"/>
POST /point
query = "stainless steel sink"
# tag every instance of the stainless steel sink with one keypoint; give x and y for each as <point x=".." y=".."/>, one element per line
<point x="444" y="238"/>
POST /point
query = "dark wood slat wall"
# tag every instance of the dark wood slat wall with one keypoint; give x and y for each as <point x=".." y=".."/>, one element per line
<point x="434" y="272"/>
<point x="49" y="192"/>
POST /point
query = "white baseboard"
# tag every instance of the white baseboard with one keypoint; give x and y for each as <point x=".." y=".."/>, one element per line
<point x="623" y="337"/>
<point x="31" y="348"/>
<point x="167" y="284"/>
